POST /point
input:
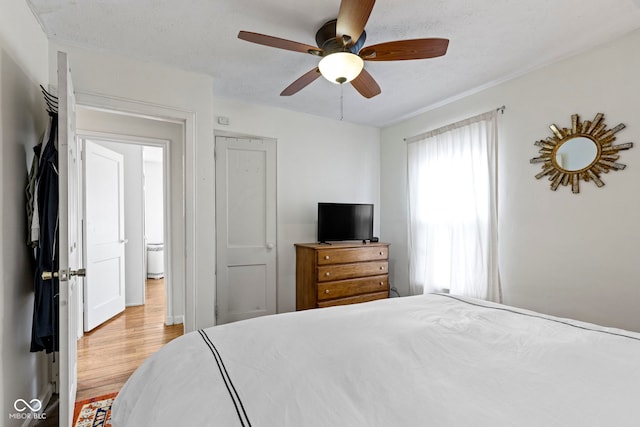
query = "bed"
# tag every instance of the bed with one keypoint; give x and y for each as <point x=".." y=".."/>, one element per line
<point x="428" y="360"/>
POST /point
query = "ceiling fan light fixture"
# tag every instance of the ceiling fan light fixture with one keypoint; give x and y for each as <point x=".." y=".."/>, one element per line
<point x="341" y="67"/>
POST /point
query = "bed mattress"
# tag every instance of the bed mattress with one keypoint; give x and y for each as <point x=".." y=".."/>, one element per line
<point x="432" y="360"/>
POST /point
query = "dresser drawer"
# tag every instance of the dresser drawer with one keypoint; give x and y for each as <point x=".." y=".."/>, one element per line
<point x="353" y="300"/>
<point x="347" y="271"/>
<point x="349" y="255"/>
<point x="350" y="287"/>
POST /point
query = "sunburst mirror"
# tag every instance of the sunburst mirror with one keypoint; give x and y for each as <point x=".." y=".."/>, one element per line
<point x="583" y="152"/>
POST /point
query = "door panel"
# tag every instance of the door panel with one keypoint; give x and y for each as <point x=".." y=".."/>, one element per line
<point x="104" y="292"/>
<point x="69" y="258"/>
<point x="246" y="227"/>
<point x="249" y="295"/>
<point x="246" y="171"/>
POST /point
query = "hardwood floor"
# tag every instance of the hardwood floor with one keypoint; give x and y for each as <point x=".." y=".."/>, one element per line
<point x="109" y="354"/>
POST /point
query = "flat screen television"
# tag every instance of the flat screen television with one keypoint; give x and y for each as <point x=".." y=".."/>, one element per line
<point x="345" y="221"/>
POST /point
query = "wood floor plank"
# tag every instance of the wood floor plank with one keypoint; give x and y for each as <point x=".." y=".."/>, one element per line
<point x="108" y="355"/>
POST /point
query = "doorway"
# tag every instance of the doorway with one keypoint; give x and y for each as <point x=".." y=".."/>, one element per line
<point x="131" y="209"/>
<point x="154" y="311"/>
<point x="136" y="137"/>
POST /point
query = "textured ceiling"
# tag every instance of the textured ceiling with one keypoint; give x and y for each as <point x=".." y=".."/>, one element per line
<point x="490" y="40"/>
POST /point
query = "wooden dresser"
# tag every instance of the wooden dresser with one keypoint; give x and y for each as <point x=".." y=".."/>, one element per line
<point x="340" y="273"/>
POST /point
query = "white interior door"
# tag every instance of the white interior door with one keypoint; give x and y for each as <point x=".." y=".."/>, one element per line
<point x="246" y="228"/>
<point x="104" y="292"/>
<point x="69" y="257"/>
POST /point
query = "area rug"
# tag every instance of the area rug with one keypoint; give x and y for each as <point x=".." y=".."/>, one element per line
<point x="94" y="412"/>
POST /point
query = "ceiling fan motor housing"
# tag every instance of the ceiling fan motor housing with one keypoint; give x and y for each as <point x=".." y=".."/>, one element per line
<point x="326" y="40"/>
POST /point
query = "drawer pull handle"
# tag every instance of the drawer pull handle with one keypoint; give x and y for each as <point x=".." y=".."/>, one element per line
<point x="327" y="274"/>
<point x="326" y="257"/>
<point x="381" y="267"/>
<point x="381" y="283"/>
<point x="326" y="291"/>
<point x="381" y="253"/>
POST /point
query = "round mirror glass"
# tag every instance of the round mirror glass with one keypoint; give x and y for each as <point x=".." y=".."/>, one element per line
<point x="576" y="153"/>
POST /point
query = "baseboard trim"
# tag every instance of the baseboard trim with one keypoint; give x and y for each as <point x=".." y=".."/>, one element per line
<point x="45" y="398"/>
<point x="175" y="320"/>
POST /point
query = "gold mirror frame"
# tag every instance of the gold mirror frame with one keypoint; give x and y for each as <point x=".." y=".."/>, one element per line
<point x="603" y="162"/>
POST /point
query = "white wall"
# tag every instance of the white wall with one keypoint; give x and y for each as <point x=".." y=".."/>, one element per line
<point x="318" y="160"/>
<point x="154" y="198"/>
<point x="23" y="66"/>
<point x="145" y="86"/>
<point x="560" y="253"/>
<point x="134" y="249"/>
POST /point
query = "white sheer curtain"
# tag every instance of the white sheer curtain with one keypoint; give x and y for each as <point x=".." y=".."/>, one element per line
<point x="452" y="209"/>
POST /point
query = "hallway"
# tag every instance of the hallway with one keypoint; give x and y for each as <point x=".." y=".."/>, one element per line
<point x="109" y="354"/>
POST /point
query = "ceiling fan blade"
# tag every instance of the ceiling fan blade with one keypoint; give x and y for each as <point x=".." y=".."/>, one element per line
<point x="405" y="49"/>
<point x="352" y="18"/>
<point x="302" y="82"/>
<point x="366" y="85"/>
<point x="278" y="42"/>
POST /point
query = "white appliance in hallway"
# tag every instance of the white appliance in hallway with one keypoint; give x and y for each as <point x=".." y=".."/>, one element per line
<point x="155" y="260"/>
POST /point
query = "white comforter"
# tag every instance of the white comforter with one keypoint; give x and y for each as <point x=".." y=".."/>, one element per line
<point x="431" y="360"/>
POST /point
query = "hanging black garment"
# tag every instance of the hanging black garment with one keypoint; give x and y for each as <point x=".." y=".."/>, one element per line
<point x="44" y="333"/>
<point x="33" y="220"/>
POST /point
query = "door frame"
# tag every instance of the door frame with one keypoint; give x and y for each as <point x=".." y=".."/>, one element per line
<point x="188" y="120"/>
<point x="165" y="144"/>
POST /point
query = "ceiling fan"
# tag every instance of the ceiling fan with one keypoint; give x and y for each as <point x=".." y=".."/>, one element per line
<point x="340" y="45"/>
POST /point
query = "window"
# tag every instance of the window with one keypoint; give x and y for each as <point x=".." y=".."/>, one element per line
<point x="452" y="209"/>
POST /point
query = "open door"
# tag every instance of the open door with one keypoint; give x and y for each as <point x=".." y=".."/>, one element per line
<point x="103" y="176"/>
<point x="69" y="262"/>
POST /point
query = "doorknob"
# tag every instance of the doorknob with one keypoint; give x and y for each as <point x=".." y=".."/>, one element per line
<point x="125" y="241"/>
<point x="270" y="246"/>
<point x="64" y="275"/>
<point x="47" y="275"/>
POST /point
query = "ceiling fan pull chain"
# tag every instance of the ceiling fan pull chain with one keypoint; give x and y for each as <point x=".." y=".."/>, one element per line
<point x="341" y="102"/>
